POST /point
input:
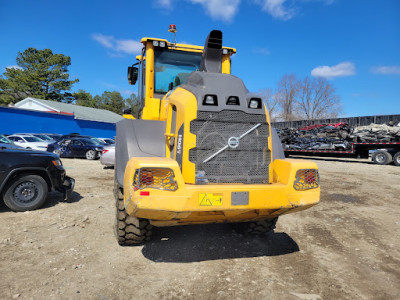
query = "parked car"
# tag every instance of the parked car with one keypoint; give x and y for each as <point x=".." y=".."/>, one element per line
<point x="27" y="176"/>
<point x="72" y="135"/>
<point x="107" y="141"/>
<point x="76" y="147"/>
<point x="54" y="136"/>
<point x="98" y="141"/>
<point x="41" y="136"/>
<point x="108" y="156"/>
<point x="6" y="143"/>
<point x="29" y="141"/>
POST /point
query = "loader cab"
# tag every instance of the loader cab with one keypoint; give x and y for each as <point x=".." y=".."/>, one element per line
<point x="161" y="67"/>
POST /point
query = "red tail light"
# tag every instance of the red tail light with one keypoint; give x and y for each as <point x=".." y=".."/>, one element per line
<point x="105" y="151"/>
<point x="144" y="193"/>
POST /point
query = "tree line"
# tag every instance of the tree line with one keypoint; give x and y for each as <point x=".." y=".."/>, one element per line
<point x="43" y="74"/>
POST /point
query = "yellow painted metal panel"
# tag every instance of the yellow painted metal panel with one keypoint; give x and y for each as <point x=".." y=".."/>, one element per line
<point x="127" y="116"/>
<point x="149" y="71"/>
<point x="226" y="64"/>
<point x="186" y="106"/>
<point x="183" y="47"/>
<point x="183" y="206"/>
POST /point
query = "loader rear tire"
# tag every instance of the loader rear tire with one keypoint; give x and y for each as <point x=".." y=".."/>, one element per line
<point x="129" y="230"/>
<point x="256" y="227"/>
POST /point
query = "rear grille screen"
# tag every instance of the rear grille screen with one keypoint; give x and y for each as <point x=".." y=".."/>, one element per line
<point x="244" y="160"/>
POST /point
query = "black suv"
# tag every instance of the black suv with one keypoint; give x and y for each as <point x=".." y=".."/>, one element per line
<point x="27" y="176"/>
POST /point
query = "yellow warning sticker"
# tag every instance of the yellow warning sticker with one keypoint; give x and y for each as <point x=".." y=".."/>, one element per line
<point x="210" y="199"/>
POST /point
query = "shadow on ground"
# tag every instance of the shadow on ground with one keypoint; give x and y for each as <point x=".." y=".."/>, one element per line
<point x="53" y="198"/>
<point x="197" y="243"/>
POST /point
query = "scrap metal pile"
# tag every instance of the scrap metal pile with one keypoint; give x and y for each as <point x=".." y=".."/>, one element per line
<point x="337" y="136"/>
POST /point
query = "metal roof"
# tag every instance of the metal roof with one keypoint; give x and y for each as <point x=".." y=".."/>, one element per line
<point x="80" y="112"/>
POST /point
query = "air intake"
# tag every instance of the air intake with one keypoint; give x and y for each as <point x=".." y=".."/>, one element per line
<point x="212" y="55"/>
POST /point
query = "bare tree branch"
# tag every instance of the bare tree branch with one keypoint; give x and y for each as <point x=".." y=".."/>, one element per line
<point x="288" y="88"/>
<point x="317" y="99"/>
<point x="270" y="101"/>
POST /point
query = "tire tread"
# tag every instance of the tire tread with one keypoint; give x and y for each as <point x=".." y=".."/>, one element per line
<point x="128" y="229"/>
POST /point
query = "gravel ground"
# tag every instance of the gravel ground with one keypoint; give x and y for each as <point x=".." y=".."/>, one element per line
<point x="346" y="247"/>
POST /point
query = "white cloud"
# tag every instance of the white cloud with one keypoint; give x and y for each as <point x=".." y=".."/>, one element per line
<point x="386" y="70"/>
<point x="13" y="67"/>
<point x="105" y="40"/>
<point x="118" y="46"/>
<point x="128" y="46"/>
<point x="164" y="3"/>
<point x="277" y="9"/>
<point x="219" y="9"/>
<point x="262" y="51"/>
<point x="281" y="10"/>
<point x="340" y="70"/>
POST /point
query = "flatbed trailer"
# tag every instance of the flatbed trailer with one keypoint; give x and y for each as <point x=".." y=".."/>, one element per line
<point x="384" y="154"/>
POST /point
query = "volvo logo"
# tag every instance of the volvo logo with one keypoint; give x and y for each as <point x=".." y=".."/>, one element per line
<point x="233" y="142"/>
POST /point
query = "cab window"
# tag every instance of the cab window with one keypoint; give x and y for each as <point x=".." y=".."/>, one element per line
<point x="173" y="67"/>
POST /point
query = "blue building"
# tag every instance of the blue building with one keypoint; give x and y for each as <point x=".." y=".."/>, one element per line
<point x="33" y="115"/>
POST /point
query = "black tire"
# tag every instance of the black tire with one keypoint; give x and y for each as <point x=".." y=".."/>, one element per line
<point x="129" y="230"/>
<point x="26" y="193"/>
<point x="91" y="154"/>
<point x="382" y="157"/>
<point x="396" y="159"/>
<point x="256" y="227"/>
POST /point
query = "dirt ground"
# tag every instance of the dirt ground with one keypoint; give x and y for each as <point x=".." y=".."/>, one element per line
<point x="346" y="247"/>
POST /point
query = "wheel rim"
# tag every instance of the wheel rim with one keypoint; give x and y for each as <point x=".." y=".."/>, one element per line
<point x="398" y="159"/>
<point x="380" y="158"/>
<point x="90" y="154"/>
<point x="26" y="192"/>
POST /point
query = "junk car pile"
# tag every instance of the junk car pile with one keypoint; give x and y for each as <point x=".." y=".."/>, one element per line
<point x="338" y="137"/>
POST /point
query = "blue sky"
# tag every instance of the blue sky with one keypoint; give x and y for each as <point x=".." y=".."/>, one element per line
<point x="355" y="44"/>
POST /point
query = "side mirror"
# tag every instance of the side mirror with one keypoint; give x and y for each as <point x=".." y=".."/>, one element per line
<point x="133" y="73"/>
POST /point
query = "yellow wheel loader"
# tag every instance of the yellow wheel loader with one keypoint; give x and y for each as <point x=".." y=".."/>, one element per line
<point x="200" y="148"/>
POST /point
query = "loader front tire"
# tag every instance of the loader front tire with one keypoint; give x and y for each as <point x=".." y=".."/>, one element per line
<point x="129" y="230"/>
<point x="256" y="227"/>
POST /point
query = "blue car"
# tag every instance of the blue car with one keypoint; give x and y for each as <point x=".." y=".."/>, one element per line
<point x="76" y="147"/>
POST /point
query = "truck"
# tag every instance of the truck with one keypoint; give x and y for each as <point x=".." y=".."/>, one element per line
<point x="199" y="148"/>
<point x="382" y="153"/>
<point x="26" y="176"/>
